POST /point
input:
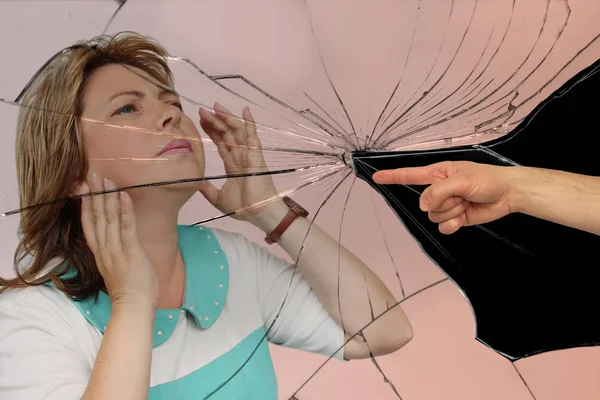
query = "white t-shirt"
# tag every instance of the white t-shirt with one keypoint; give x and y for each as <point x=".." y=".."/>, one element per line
<point x="234" y="291"/>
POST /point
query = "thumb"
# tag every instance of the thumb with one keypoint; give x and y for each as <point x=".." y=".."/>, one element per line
<point x="435" y="195"/>
<point x="209" y="191"/>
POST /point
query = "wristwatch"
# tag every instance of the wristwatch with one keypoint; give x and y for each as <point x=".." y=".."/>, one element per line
<point x="295" y="211"/>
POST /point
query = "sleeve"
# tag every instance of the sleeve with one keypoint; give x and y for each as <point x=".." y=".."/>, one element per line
<point x="38" y="356"/>
<point x="302" y="323"/>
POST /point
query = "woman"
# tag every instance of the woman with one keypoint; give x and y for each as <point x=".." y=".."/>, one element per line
<point x="119" y="301"/>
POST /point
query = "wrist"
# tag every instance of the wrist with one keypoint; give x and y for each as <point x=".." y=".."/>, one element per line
<point x="133" y="304"/>
<point x="268" y="218"/>
<point x="524" y="189"/>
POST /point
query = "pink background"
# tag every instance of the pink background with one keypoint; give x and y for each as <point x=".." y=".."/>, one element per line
<point x="363" y="45"/>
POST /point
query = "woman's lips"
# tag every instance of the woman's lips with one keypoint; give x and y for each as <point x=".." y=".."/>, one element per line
<point x="177" y="146"/>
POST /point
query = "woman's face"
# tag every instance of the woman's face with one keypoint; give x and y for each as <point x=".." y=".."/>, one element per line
<point x="128" y="146"/>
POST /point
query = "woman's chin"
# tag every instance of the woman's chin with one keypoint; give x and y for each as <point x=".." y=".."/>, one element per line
<point x="163" y="195"/>
<point x="178" y="182"/>
<point x="191" y="187"/>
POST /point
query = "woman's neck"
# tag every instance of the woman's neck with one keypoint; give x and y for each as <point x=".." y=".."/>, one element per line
<point x="158" y="236"/>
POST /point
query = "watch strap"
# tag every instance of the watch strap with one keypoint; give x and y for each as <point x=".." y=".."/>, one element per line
<point x="295" y="211"/>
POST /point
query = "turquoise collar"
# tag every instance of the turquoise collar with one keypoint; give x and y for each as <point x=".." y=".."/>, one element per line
<point x="207" y="282"/>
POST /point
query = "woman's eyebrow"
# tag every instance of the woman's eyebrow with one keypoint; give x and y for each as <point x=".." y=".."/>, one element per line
<point x="126" y="93"/>
<point x="137" y="93"/>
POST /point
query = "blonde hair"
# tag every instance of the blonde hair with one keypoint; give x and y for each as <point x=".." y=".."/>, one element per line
<point x="51" y="159"/>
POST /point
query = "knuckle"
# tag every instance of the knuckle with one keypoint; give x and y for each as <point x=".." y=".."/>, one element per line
<point x="97" y="216"/>
<point x="446" y="205"/>
<point x="111" y="218"/>
<point x="434" y="217"/>
<point x="462" y="183"/>
<point x="435" y="191"/>
<point x="429" y="195"/>
<point x="127" y="225"/>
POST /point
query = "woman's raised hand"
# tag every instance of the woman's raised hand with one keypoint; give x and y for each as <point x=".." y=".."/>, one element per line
<point x="240" y="148"/>
<point x="109" y="226"/>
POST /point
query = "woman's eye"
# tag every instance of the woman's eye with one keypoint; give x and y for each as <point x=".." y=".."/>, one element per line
<point x="178" y="105"/>
<point x="125" y="109"/>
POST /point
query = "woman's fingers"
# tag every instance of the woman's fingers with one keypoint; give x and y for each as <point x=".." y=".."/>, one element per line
<point x="217" y="129"/>
<point x="250" y="131"/>
<point x="112" y="210"/>
<point x="233" y="122"/>
<point x="236" y="132"/>
<point x="235" y="137"/>
<point x="108" y="220"/>
<point x="217" y="132"/>
<point x="214" y="124"/>
<point x="87" y="218"/>
<point x="98" y="212"/>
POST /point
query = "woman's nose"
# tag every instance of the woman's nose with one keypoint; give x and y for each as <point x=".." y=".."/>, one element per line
<point x="170" y="117"/>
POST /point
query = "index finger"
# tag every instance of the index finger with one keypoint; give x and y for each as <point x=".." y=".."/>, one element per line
<point x="405" y="176"/>
<point x="229" y="118"/>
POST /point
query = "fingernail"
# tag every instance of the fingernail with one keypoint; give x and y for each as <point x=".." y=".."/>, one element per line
<point x="84" y="189"/>
<point x="424" y="205"/>
<point x="107" y="184"/>
<point x="94" y="176"/>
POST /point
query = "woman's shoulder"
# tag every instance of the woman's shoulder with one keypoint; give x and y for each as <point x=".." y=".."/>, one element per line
<point x="229" y="236"/>
<point x="249" y="252"/>
<point x="39" y="299"/>
<point x="44" y="314"/>
<point x="235" y="242"/>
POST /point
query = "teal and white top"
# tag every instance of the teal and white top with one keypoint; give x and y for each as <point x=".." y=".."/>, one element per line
<point x="234" y="290"/>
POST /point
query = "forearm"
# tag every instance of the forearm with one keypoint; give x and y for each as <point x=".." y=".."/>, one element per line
<point x="122" y="367"/>
<point x="348" y="289"/>
<point x="561" y="197"/>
